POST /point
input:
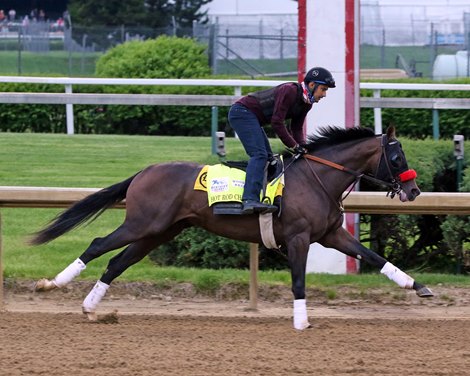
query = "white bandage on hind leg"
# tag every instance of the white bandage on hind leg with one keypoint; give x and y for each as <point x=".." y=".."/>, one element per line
<point x="300" y="314"/>
<point x="94" y="297"/>
<point x="69" y="273"/>
<point x="396" y="275"/>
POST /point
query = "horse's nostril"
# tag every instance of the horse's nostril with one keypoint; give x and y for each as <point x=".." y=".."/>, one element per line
<point x="415" y="192"/>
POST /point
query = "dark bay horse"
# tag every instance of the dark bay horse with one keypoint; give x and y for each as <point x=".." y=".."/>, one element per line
<point x="161" y="202"/>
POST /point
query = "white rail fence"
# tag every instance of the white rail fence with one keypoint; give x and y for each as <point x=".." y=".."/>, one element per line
<point x="69" y="98"/>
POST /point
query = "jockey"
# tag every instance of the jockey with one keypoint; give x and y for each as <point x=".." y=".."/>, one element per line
<point x="273" y="106"/>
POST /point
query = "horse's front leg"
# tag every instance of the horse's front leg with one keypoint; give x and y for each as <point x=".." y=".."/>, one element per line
<point x="344" y="242"/>
<point x="297" y="250"/>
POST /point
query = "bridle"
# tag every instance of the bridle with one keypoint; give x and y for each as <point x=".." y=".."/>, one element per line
<point x="393" y="182"/>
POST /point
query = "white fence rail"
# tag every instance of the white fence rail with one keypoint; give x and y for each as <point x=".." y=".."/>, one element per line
<point x="436" y="104"/>
<point x="442" y="203"/>
<point x="69" y="98"/>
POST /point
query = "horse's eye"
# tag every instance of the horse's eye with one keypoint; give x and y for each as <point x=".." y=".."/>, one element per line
<point x="396" y="160"/>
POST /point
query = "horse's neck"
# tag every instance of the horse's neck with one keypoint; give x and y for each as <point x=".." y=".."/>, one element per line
<point x="361" y="156"/>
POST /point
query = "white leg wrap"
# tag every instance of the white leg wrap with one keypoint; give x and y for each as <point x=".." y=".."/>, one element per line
<point x="396" y="275"/>
<point x="69" y="273"/>
<point x="300" y="315"/>
<point x="94" y="297"/>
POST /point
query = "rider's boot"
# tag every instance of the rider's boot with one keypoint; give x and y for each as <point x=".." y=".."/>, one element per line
<point x="252" y="206"/>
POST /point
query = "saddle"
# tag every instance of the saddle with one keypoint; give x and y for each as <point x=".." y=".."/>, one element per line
<point x="272" y="171"/>
<point x="273" y="168"/>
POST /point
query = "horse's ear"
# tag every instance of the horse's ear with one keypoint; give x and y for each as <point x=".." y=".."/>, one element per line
<point x="391" y="132"/>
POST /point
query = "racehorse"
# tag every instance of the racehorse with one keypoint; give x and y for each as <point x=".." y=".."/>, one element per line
<point x="161" y="202"/>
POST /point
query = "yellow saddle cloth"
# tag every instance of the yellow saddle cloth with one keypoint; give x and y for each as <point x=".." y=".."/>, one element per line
<point x="225" y="184"/>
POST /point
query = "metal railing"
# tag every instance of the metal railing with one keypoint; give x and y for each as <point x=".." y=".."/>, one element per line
<point x="435" y="104"/>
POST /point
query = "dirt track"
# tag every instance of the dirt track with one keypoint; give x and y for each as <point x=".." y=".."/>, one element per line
<point x="177" y="336"/>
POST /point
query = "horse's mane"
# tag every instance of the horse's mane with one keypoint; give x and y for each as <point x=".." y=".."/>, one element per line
<point x="328" y="136"/>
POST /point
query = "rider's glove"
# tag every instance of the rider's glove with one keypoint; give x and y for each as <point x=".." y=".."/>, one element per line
<point x="299" y="150"/>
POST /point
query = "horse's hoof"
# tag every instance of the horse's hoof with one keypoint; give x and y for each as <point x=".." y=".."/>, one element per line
<point x="424" y="292"/>
<point x="303" y="326"/>
<point x="92" y="316"/>
<point x="44" y="285"/>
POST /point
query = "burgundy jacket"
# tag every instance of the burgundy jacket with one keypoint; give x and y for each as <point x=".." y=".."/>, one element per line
<point x="284" y="102"/>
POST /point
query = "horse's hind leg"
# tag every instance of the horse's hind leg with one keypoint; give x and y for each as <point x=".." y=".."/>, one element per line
<point x="119" y="263"/>
<point x="129" y="256"/>
<point x="99" y="246"/>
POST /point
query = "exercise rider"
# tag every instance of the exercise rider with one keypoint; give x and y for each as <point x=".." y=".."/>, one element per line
<point x="288" y="101"/>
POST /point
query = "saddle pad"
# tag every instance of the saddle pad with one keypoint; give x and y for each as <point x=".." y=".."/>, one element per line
<point x="225" y="184"/>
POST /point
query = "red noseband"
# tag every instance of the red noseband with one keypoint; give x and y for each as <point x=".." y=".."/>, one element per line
<point x="407" y="175"/>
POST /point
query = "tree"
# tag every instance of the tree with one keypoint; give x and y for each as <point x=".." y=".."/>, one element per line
<point x="150" y="13"/>
<point x="107" y="12"/>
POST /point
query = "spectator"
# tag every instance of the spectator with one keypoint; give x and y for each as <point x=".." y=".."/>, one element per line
<point x="12" y="15"/>
<point x="3" y="19"/>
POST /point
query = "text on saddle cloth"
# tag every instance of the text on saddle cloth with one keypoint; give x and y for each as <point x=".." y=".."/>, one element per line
<point x="225" y="184"/>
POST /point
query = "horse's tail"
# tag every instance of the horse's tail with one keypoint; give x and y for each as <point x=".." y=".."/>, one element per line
<point x="91" y="206"/>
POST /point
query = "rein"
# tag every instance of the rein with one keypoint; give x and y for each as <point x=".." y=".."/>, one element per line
<point x="326" y="162"/>
<point x="358" y="175"/>
<point x="393" y="186"/>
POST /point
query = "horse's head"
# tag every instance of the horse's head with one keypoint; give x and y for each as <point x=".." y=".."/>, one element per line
<point x="393" y="168"/>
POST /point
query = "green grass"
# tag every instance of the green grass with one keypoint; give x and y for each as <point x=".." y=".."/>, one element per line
<point x="53" y="63"/>
<point x="371" y="57"/>
<point x="59" y="160"/>
<point x="97" y="161"/>
<point x="238" y="67"/>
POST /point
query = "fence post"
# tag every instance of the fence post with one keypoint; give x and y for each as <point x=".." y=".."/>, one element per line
<point x="69" y="111"/>
<point x="254" y="265"/>
<point x="20" y="46"/>
<point x="435" y="124"/>
<point x="1" y="266"/>
<point x="214" y="127"/>
<point x="377" y="115"/>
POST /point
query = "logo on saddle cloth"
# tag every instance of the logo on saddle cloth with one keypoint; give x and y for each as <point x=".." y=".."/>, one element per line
<point x="225" y="184"/>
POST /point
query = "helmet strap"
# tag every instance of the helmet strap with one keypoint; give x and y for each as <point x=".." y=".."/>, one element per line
<point x="311" y="93"/>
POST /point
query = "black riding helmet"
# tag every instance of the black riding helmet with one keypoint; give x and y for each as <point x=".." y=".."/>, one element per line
<point x="320" y="76"/>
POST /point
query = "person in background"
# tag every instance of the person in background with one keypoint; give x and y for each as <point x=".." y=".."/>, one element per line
<point x="288" y="101"/>
<point x="12" y="15"/>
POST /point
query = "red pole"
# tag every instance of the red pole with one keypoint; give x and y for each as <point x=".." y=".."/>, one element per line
<point x="350" y="64"/>
<point x="302" y="40"/>
<point x="351" y="98"/>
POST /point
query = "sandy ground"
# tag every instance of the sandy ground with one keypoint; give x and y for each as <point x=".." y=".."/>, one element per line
<point x="169" y="333"/>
